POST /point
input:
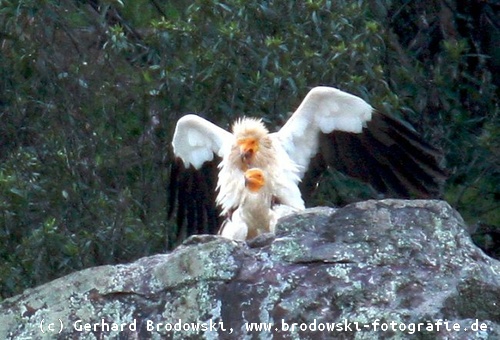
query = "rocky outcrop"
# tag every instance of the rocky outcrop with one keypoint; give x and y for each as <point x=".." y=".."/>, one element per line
<point x="376" y="269"/>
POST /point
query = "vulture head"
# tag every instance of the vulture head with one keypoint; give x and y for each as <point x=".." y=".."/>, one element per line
<point x="252" y="145"/>
<point x="254" y="180"/>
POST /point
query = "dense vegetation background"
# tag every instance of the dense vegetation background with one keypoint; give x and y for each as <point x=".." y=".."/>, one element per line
<point x="90" y="91"/>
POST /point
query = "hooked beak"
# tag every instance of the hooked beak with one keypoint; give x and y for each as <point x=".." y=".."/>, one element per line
<point x="248" y="147"/>
<point x="246" y="155"/>
<point x="254" y="180"/>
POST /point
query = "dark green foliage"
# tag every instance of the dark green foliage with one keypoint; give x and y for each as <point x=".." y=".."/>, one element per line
<point x="90" y="92"/>
<point x="453" y="92"/>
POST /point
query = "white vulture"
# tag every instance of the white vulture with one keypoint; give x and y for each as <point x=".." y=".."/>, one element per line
<point x="329" y="128"/>
<point x="257" y="211"/>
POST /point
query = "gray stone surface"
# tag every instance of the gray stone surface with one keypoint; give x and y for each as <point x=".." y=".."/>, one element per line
<point x="394" y="264"/>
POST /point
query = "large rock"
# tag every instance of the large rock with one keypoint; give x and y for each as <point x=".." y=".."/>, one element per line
<point x="377" y="269"/>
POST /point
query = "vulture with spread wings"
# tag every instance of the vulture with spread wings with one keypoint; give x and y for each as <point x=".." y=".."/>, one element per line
<point x="329" y="128"/>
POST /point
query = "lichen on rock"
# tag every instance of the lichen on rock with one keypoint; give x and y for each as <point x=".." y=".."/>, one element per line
<point x="370" y="270"/>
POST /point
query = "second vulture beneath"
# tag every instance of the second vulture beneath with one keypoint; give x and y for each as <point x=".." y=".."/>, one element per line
<point x="329" y="128"/>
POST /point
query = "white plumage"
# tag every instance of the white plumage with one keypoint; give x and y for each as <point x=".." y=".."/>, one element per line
<point x="285" y="156"/>
<point x="257" y="212"/>
<point x="196" y="140"/>
<point x="324" y="109"/>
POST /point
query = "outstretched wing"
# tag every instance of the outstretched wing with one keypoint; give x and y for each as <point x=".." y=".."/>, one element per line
<point x="198" y="147"/>
<point x="389" y="155"/>
<point x="322" y="111"/>
<point x="196" y="140"/>
<point x="337" y="129"/>
<point x="191" y="197"/>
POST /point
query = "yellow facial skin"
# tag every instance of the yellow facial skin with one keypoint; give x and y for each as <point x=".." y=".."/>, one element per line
<point x="254" y="180"/>
<point x="248" y="149"/>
